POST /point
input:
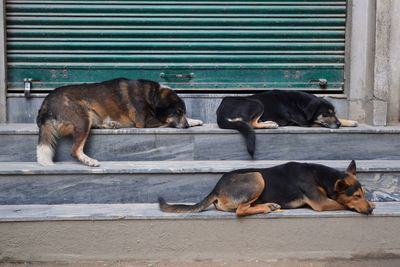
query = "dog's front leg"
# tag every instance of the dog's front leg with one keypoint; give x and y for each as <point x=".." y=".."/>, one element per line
<point x="109" y="124"/>
<point x="194" y="122"/>
<point x="155" y="123"/>
<point x="348" y="123"/>
<point x="324" y="204"/>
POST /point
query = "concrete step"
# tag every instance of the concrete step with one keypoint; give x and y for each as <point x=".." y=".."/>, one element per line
<point x="208" y="142"/>
<point x="81" y="233"/>
<point x="144" y="181"/>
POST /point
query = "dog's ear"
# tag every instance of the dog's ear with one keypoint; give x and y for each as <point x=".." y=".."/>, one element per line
<point x="311" y="108"/>
<point x="123" y="85"/>
<point x="166" y="97"/>
<point x="352" y="168"/>
<point x="340" y="186"/>
<point x="157" y="96"/>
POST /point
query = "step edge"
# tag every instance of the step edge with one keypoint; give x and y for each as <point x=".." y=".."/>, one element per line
<point x="210" y="128"/>
<point x="117" y="212"/>
<point x="181" y="167"/>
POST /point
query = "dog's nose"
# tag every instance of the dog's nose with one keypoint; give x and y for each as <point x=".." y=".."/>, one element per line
<point x="370" y="210"/>
<point x="338" y="123"/>
<point x="185" y="125"/>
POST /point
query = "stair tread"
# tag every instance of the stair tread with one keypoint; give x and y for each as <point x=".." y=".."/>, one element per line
<point x="31" y="128"/>
<point x="151" y="211"/>
<point x="190" y="166"/>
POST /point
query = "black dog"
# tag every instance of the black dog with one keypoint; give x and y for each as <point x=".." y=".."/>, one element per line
<point x="290" y="185"/>
<point x="276" y="108"/>
<point x="119" y="103"/>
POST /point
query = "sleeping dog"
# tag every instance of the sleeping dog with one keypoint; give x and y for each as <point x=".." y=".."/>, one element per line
<point x="276" y="108"/>
<point x="119" y="103"/>
<point x="290" y="185"/>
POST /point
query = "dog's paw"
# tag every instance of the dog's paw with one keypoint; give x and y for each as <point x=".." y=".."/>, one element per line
<point x="93" y="163"/>
<point x="115" y="125"/>
<point x="274" y="206"/>
<point x="353" y="124"/>
<point x="88" y="161"/>
<point x="111" y="125"/>
<point x="270" y="124"/>
<point x="46" y="163"/>
<point x="348" y="123"/>
<point x="193" y="122"/>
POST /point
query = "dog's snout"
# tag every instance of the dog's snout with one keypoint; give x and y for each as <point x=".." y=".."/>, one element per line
<point x="370" y="210"/>
<point x="338" y="123"/>
<point x="334" y="125"/>
<point x="183" y="124"/>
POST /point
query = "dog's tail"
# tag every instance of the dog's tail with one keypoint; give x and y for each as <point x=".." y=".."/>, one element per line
<point x="47" y="138"/>
<point x="244" y="128"/>
<point x="182" y="208"/>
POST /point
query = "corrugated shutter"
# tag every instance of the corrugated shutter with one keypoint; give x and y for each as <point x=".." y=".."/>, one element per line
<point x="191" y="44"/>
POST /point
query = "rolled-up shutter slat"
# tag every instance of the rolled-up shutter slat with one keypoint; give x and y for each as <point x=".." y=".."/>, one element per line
<point x="224" y="45"/>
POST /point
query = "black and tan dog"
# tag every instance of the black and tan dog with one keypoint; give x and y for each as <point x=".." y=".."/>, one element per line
<point x="119" y="103"/>
<point x="290" y="185"/>
<point x="276" y="108"/>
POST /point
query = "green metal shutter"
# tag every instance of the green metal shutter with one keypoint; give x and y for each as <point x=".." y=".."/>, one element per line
<point x="191" y="44"/>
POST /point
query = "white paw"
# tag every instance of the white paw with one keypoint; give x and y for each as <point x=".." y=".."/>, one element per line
<point x="111" y="125"/>
<point x="88" y="161"/>
<point x="46" y="163"/>
<point x="353" y="124"/>
<point x="115" y="125"/>
<point x="274" y="206"/>
<point x="193" y="122"/>
<point x="270" y="124"/>
<point x="91" y="163"/>
<point x="44" y="155"/>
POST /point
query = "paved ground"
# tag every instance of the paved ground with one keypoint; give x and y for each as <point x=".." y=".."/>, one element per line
<point x="391" y="262"/>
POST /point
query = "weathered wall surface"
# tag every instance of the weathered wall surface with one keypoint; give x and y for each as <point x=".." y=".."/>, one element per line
<point x="387" y="62"/>
<point x="360" y="50"/>
<point x="394" y="63"/>
<point x="374" y="61"/>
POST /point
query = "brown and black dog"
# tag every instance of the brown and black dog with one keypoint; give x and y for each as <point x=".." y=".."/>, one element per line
<point x="290" y="185"/>
<point x="276" y="108"/>
<point x="119" y="103"/>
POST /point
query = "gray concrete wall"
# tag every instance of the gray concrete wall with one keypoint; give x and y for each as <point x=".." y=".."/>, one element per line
<point x="394" y="64"/>
<point x="360" y="60"/>
<point x="3" y="65"/>
<point x="374" y="61"/>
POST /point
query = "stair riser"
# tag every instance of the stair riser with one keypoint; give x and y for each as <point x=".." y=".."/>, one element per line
<point x="216" y="146"/>
<point x="199" y="106"/>
<point x="145" y="188"/>
<point x="227" y="240"/>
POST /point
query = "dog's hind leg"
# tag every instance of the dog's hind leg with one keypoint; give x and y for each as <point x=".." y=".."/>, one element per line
<point x="109" y="124"/>
<point x="239" y="191"/>
<point x="47" y="141"/>
<point x="263" y="124"/>
<point x="80" y="134"/>
<point x="246" y="208"/>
